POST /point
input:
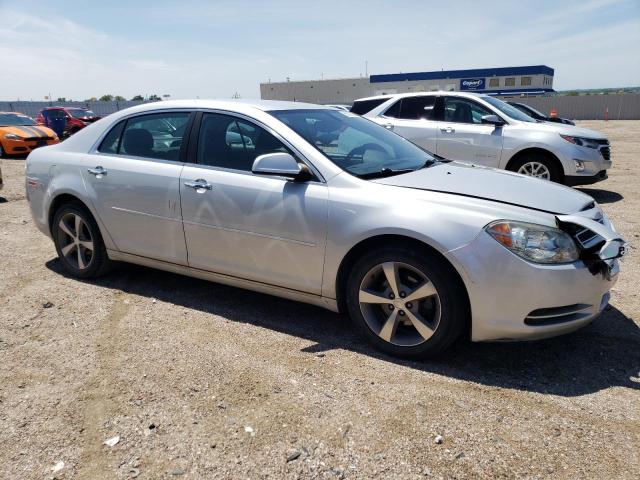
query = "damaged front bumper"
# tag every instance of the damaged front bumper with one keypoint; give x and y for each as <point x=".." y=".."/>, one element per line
<point x="514" y="299"/>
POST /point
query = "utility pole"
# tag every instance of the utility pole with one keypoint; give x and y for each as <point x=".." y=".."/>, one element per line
<point x="366" y="68"/>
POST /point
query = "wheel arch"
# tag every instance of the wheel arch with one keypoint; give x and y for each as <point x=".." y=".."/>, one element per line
<point x="396" y="240"/>
<point x="63" y="199"/>
<point x="535" y="150"/>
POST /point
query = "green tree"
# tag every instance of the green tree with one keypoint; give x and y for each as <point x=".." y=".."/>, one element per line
<point x="154" y="98"/>
<point x="119" y="98"/>
<point x="62" y="99"/>
<point x="106" y="98"/>
<point x="137" y="98"/>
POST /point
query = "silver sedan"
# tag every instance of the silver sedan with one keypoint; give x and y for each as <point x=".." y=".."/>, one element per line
<point x="325" y="207"/>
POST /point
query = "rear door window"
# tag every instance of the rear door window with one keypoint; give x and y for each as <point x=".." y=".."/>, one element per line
<point x="418" y="108"/>
<point x="394" y="110"/>
<point x="157" y="135"/>
<point x="365" y="106"/>
<point x="111" y="142"/>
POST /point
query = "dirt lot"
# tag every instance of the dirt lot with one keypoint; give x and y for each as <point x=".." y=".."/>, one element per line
<point x="205" y="381"/>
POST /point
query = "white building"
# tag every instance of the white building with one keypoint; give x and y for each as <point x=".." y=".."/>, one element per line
<point x="528" y="80"/>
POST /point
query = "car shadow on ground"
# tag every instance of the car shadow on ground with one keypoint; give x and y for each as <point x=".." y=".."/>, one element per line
<point x="602" y="196"/>
<point x="602" y="355"/>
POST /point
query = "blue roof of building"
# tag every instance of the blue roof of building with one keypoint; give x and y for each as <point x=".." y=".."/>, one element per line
<point x="476" y="72"/>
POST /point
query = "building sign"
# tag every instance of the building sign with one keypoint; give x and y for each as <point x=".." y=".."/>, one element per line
<point x="472" y="84"/>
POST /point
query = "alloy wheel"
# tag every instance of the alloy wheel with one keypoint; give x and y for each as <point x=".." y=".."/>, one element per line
<point x="76" y="242"/>
<point x="535" y="169"/>
<point x="400" y="304"/>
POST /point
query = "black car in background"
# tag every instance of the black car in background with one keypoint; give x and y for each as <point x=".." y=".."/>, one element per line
<point x="533" y="113"/>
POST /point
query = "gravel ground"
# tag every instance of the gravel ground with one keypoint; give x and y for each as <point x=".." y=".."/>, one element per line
<point x="200" y="380"/>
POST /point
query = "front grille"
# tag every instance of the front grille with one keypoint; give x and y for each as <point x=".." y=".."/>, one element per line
<point x="555" y="315"/>
<point x="606" y="152"/>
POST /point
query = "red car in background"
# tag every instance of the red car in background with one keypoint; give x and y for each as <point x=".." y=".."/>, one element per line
<point x="73" y="118"/>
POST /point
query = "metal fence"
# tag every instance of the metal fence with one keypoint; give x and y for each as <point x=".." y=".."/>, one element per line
<point x="33" y="108"/>
<point x="579" y="107"/>
<point x="587" y="107"/>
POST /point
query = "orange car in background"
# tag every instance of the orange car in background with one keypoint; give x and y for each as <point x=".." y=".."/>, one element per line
<point x="20" y="134"/>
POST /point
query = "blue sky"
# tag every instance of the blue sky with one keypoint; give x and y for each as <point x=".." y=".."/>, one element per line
<point x="213" y="49"/>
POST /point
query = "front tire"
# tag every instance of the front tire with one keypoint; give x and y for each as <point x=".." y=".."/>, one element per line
<point x="78" y="242"/>
<point x="405" y="303"/>
<point x="538" y="166"/>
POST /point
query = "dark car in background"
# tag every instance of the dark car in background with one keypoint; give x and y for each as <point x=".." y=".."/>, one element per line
<point x="66" y="120"/>
<point x="535" y="114"/>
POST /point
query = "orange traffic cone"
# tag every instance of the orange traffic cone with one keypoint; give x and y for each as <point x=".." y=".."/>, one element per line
<point x="554" y="113"/>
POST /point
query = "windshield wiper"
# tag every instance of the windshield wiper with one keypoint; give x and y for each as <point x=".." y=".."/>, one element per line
<point x="441" y="159"/>
<point x="389" y="172"/>
<point x="385" y="172"/>
<point x="429" y="163"/>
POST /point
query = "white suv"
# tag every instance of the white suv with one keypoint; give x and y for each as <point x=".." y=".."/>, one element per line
<point x="485" y="130"/>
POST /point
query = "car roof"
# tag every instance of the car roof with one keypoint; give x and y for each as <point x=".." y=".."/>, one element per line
<point x="423" y="94"/>
<point x="233" y="104"/>
<point x="65" y="108"/>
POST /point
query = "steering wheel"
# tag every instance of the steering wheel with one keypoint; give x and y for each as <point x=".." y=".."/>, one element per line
<point x="363" y="148"/>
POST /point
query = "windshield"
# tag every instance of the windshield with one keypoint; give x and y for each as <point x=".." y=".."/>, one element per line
<point x="355" y="144"/>
<point x="78" y="113"/>
<point x="14" y="120"/>
<point x="508" y="110"/>
<point x="524" y="108"/>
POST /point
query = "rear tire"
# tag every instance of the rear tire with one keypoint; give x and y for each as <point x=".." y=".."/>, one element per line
<point x="418" y="317"/>
<point x="78" y="242"/>
<point x="539" y="166"/>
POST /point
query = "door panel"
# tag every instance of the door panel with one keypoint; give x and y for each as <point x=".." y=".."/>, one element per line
<point x="462" y="137"/>
<point x="414" y="119"/>
<point x="138" y="201"/>
<point x="481" y="144"/>
<point x="134" y="181"/>
<point x="421" y="132"/>
<point x="259" y="228"/>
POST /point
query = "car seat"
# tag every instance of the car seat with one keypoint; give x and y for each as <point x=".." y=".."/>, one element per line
<point x="138" y="142"/>
<point x="462" y="114"/>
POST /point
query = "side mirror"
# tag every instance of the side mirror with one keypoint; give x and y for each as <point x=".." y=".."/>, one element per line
<point x="492" y="120"/>
<point x="281" y="165"/>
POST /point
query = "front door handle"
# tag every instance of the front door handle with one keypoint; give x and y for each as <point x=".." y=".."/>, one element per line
<point x="98" y="171"/>
<point x="388" y="126"/>
<point x="448" y="130"/>
<point x="199" y="184"/>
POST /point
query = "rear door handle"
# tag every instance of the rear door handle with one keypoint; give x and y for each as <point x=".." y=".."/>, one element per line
<point x="199" y="184"/>
<point x="388" y="126"/>
<point x="98" y="171"/>
<point x="448" y="130"/>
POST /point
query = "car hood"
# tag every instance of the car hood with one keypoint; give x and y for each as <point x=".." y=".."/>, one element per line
<point x="28" y="131"/>
<point x="564" y="129"/>
<point x="495" y="185"/>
